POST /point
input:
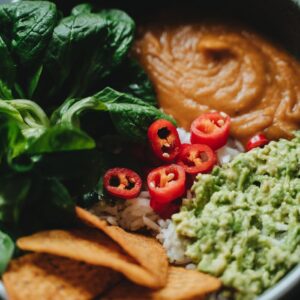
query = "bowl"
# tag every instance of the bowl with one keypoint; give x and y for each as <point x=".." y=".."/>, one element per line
<point x="279" y="20"/>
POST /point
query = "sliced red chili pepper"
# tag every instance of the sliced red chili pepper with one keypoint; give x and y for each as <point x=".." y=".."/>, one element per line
<point x="197" y="158"/>
<point x="183" y="146"/>
<point x="164" y="140"/>
<point x="258" y="140"/>
<point x="211" y="129"/>
<point x="166" y="183"/>
<point x="165" y="211"/>
<point x="122" y="183"/>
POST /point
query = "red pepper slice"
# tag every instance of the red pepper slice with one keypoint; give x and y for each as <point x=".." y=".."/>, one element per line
<point x="166" y="183"/>
<point x="258" y="140"/>
<point x="197" y="158"/>
<point x="165" y="211"/>
<point x="164" y="140"/>
<point x="211" y="129"/>
<point x="122" y="183"/>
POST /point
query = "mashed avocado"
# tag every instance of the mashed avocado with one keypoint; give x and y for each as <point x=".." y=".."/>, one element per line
<point x="243" y="222"/>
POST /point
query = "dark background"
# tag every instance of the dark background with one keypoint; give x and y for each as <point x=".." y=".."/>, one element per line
<point x="278" y="19"/>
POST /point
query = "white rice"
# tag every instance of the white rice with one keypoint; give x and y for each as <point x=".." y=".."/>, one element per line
<point x="229" y="151"/>
<point x="174" y="246"/>
<point x="132" y="215"/>
<point x="184" y="136"/>
<point x="136" y="214"/>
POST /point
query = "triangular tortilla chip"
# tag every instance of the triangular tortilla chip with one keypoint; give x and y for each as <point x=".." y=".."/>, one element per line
<point x="147" y="251"/>
<point x="48" y="277"/>
<point x="92" y="247"/>
<point x="182" y="284"/>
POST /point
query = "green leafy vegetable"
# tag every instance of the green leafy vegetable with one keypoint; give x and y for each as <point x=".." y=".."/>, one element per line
<point x="59" y="138"/>
<point x="6" y="251"/>
<point x="131" y="78"/>
<point x="8" y="71"/>
<point x="12" y="144"/>
<point x="42" y="172"/>
<point x="44" y="193"/>
<point x="75" y="38"/>
<point x="56" y="209"/>
<point x="31" y="118"/>
<point x="49" y="160"/>
<point x="81" y="9"/>
<point x="14" y="191"/>
<point x="26" y="28"/>
<point x="120" y="36"/>
<point x="130" y="116"/>
<point x="86" y="43"/>
<point x="50" y="59"/>
<point x="33" y="83"/>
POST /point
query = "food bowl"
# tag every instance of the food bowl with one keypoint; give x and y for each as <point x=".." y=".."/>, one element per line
<point x="278" y="20"/>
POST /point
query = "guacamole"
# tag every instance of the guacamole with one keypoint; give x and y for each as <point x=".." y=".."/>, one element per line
<point x="243" y="222"/>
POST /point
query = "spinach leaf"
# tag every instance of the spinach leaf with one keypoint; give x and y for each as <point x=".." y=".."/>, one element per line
<point x="130" y="77"/>
<point x="61" y="163"/>
<point x="132" y="120"/>
<point x="50" y="59"/>
<point x="78" y="170"/>
<point x="14" y="190"/>
<point x="84" y="49"/>
<point x="33" y="83"/>
<point x="45" y="203"/>
<point x="81" y="9"/>
<point x="69" y="113"/>
<point x="30" y="118"/>
<point x="26" y="28"/>
<point x="121" y="30"/>
<point x="12" y="143"/>
<point x="50" y="206"/>
<point x="8" y="71"/>
<point x="73" y="60"/>
<point x="44" y="196"/>
<point x="130" y="116"/>
<point x="109" y="95"/>
<point x="25" y="134"/>
<point x="59" y="138"/>
<point x="6" y="251"/>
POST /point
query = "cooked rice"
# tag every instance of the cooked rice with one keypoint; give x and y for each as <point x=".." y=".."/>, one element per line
<point x="174" y="246"/>
<point x="132" y="215"/>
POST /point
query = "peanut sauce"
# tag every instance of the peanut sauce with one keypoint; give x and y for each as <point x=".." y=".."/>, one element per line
<point x="201" y="67"/>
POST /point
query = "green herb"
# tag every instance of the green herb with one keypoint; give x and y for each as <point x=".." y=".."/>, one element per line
<point x="6" y="251"/>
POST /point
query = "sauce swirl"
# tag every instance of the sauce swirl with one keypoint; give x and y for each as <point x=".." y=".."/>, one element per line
<point x="201" y="67"/>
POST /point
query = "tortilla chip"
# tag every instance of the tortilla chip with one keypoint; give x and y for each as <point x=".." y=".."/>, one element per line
<point x="147" y="251"/>
<point x="48" y="277"/>
<point x="182" y="285"/>
<point x="90" y="246"/>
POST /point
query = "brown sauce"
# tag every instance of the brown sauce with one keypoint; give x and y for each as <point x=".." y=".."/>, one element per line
<point x="197" y="68"/>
